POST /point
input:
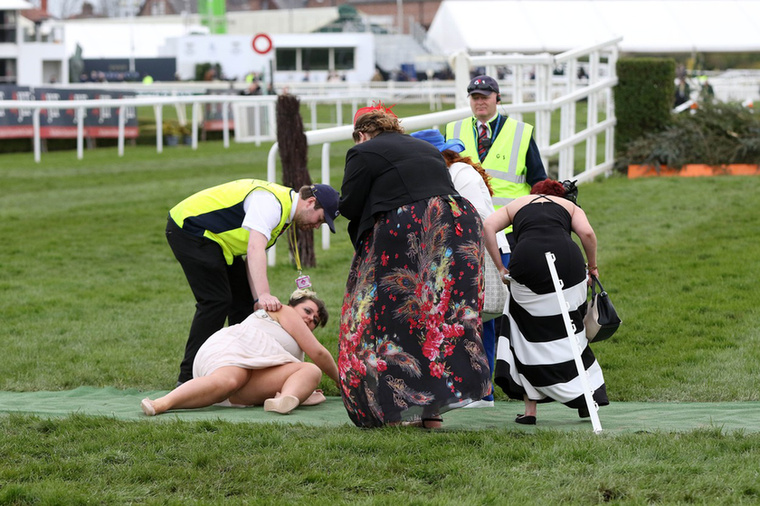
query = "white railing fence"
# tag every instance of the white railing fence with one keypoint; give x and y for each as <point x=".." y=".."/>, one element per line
<point x="532" y="77"/>
<point x="529" y="83"/>
<point x="256" y="115"/>
<point x="598" y="89"/>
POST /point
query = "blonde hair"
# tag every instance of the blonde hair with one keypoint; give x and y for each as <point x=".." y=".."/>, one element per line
<point x="375" y="122"/>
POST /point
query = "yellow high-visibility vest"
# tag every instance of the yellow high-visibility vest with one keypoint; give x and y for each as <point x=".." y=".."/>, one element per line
<point x="505" y="161"/>
<point x="217" y="213"/>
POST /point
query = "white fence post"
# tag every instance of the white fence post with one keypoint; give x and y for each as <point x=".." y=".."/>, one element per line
<point x="80" y="132"/>
<point x="158" y="112"/>
<point x="325" y="180"/>
<point x="461" y="66"/>
<point x="36" y="126"/>
<point x="122" y="119"/>
<point x="592" y="111"/>
<point x="582" y="374"/>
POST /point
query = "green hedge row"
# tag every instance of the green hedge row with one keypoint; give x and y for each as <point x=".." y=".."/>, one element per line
<point x="643" y="98"/>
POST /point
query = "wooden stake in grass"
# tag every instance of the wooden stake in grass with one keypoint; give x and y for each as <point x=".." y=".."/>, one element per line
<point x="293" y="154"/>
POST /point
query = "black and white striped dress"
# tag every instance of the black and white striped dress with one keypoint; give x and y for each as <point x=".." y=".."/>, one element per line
<point x="536" y="357"/>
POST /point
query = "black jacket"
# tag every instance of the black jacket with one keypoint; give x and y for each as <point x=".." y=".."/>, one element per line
<point x="387" y="172"/>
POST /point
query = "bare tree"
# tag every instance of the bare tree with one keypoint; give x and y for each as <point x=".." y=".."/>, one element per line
<point x="69" y="8"/>
<point x="112" y="8"/>
<point x="294" y="152"/>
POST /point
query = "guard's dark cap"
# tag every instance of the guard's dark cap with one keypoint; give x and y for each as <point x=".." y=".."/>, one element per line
<point x="483" y="85"/>
<point x="327" y="196"/>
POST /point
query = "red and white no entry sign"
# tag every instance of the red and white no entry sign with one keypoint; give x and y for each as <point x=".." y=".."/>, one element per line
<point x="262" y="43"/>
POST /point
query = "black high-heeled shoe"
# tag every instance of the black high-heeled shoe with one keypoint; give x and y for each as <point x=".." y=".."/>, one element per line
<point x="526" y="420"/>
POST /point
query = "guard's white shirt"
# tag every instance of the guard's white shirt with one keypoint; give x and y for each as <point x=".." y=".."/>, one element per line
<point x="262" y="212"/>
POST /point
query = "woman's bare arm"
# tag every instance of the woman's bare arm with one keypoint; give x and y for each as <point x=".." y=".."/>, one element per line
<point x="294" y="325"/>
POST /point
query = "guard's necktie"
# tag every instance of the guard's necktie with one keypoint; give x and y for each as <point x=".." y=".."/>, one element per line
<point x="483" y="142"/>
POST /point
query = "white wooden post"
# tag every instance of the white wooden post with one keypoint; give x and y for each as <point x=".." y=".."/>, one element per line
<point x="196" y="110"/>
<point x="582" y="374"/>
<point x="36" y="141"/>
<point x="122" y="115"/>
<point x="325" y="180"/>
<point x="80" y="133"/>
<point x="158" y="112"/>
<point x="339" y="112"/>
<point x="461" y="78"/>
<point x="313" y="109"/>
<point x="592" y="118"/>
<point x="518" y="88"/>
<point x="226" y="124"/>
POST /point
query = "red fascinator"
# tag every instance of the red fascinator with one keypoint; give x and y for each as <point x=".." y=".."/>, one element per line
<point x="377" y="107"/>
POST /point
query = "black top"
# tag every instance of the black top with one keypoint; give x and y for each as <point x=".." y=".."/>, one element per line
<point x="539" y="227"/>
<point x="387" y="172"/>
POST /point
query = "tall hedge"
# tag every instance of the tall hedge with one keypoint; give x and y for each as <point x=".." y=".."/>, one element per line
<point x="643" y="97"/>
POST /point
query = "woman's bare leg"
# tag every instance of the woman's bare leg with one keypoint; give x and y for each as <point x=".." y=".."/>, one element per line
<point x="530" y="406"/>
<point x="296" y="379"/>
<point x="203" y="391"/>
<point x="302" y="383"/>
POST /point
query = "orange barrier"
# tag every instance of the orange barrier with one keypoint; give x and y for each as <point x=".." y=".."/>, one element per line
<point x="694" y="170"/>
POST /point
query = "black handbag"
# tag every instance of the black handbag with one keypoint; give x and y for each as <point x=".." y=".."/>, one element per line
<point x="601" y="320"/>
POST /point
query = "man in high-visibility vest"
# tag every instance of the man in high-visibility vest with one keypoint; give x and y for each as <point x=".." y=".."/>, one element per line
<point x="503" y="146"/>
<point x="212" y="231"/>
<point x="506" y="150"/>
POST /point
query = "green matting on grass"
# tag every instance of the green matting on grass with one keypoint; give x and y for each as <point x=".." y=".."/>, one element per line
<point x="615" y="418"/>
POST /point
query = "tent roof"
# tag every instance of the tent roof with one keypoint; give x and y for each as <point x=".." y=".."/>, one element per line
<point x="11" y="5"/>
<point x="647" y="26"/>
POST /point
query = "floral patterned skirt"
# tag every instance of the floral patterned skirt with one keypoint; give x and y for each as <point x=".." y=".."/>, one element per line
<point x="410" y="330"/>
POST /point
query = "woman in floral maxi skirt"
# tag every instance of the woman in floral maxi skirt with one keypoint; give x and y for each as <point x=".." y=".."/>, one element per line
<point x="410" y="334"/>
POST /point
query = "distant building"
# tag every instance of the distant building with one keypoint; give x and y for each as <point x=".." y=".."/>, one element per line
<point x="31" y="48"/>
<point x="291" y="56"/>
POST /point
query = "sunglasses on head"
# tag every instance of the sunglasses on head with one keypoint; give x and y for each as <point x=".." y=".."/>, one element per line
<point x="481" y="86"/>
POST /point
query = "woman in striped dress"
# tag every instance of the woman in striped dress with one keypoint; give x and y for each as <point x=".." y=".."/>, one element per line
<point x="535" y="361"/>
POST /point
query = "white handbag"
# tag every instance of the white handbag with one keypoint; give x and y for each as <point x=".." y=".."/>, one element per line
<point x="495" y="292"/>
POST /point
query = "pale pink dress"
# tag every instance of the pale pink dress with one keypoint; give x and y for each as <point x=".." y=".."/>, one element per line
<point x="257" y="342"/>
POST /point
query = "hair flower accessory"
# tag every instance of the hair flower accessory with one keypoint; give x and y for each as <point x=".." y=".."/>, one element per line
<point x="300" y="293"/>
<point x="378" y="106"/>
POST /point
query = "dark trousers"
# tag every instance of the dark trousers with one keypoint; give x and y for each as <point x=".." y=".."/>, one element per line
<point x="221" y="291"/>
<point x="489" y="345"/>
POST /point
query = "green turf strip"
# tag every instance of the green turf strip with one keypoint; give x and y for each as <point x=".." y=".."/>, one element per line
<point x="617" y="417"/>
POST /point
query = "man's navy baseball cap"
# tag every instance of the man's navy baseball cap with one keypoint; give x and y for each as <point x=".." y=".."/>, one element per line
<point x="483" y="85"/>
<point x="327" y="196"/>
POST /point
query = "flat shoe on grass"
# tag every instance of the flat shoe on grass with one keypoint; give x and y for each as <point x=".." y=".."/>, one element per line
<point x="147" y="407"/>
<point x="283" y="404"/>
<point x="526" y="420"/>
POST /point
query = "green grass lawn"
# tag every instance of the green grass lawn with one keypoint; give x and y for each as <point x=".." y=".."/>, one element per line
<point x="90" y="294"/>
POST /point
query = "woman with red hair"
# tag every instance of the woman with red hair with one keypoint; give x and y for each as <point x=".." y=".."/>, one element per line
<point x="535" y="361"/>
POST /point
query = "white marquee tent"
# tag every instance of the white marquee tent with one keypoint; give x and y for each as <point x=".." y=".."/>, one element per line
<point x="647" y="26"/>
<point x="145" y="36"/>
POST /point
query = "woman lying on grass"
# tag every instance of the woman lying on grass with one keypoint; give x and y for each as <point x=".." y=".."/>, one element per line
<point x="259" y="361"/>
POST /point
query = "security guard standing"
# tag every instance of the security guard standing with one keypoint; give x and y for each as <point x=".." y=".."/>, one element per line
<point x="212" y="231"/>
<point x="504" y="146"/>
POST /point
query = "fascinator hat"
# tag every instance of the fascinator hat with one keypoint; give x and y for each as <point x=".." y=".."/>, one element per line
<point x="435" y="138"/>
<point x="300" y="293"/>
<point x="376" y="107"/>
